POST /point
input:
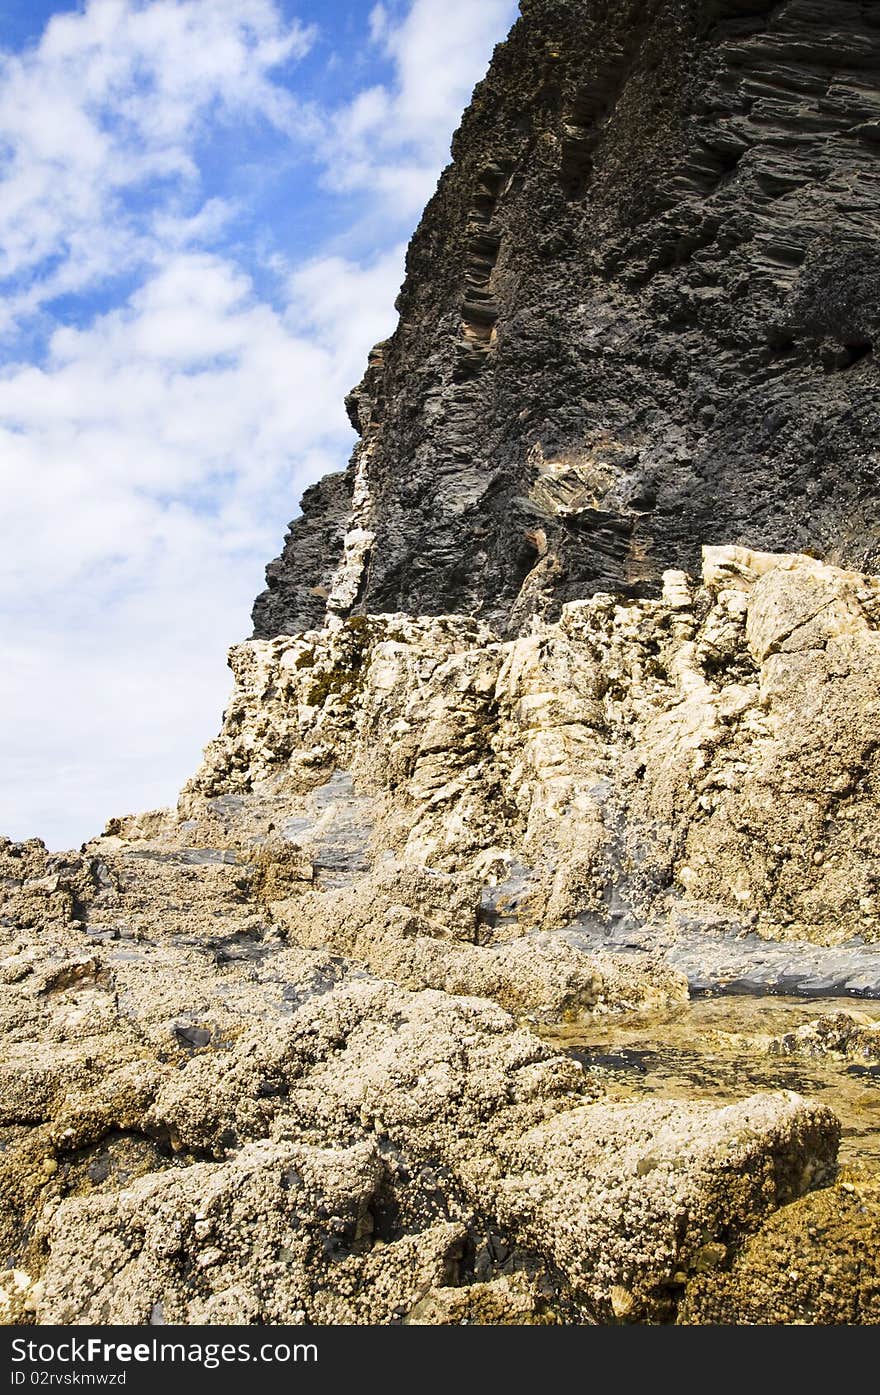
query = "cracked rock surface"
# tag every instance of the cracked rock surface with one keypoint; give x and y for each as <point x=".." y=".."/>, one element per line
<point x="203" y="1128"/>
<point x="639" y="315"/>
<point x="706" y="761"/>
<point x="272" y="1057"/>
<point x="509" y="754"/>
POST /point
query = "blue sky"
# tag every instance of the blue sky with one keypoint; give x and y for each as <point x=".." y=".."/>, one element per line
<point x="204" y="206"/>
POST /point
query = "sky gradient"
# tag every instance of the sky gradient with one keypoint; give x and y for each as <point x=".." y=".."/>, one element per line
<point x="203" y="215"/>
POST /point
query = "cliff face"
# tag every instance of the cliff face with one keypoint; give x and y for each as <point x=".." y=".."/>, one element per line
<point x="275" y="1058"/>
<point x="325" y="1044"/>
<point x="638" y="317"/>
<point x="704" y="761"/>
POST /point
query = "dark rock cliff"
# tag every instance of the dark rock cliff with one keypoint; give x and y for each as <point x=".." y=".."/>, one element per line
<point x="638" y="317"/>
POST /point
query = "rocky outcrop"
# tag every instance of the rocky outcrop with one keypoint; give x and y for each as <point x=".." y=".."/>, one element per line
<point x="256" y="1232"/>
<point x="814" y="1263"/>
<point x="638" y="317"/>
<point x="849" y="1036"/>
<point x="707" y="759"/>
<point x="508" y="758"/>
<point x="205" y="1122"/>
<point x="272" y="1058"/>
<point x="297" y="1009"/>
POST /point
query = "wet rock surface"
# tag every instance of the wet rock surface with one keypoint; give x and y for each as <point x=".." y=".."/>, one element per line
<point x="513" y="777"/>
<point x="715" y="1049"/>
<point x="742" y="962"/>
<point x="255" y="1131"/>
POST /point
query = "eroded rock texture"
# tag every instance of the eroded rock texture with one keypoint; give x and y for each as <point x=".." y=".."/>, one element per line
<point x="277" y="1057"/>
<point x="638" y="317"/>
<point x="508" y="753"/>
<point x="211" y="1122"/>
<point x="707" y="759"/>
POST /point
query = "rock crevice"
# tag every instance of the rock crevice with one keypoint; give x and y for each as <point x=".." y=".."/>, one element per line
<point x="638" y="317"/>
<point x="510" y="756"/>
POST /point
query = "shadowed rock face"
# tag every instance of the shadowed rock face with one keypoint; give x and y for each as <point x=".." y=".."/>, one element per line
<point x="287" y="1055"/>
<point x="638" y="317"/>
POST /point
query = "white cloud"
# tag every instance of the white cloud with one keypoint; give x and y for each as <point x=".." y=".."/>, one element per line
<point x="394" y="138"/>
<point x="151" y="455"/>
<point x="146" y="469"/>
<point x="111" y="101"/>
<point x="439" y="50"/>
<point x="380" y="23"/>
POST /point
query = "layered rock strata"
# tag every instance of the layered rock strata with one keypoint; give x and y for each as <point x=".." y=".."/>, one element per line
<point x="506" y="754"/>
<point x="638" y="316"/>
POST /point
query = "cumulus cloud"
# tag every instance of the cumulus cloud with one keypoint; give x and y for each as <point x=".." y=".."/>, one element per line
<point x="113" y="100"/>
<point x="147" y="467"/>
<point x="196" y="397"/>
<point x="155" y="440"/>
<point x="394" y="137"/>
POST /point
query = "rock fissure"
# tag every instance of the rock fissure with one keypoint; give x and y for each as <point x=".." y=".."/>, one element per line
<point x="559" y="717"/>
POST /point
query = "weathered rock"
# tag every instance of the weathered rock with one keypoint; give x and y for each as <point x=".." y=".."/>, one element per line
<point x="708" y="758"/>
<point x="814" y="1262"/>
<point x="386" y="922"/>
<point x="627" y="1199"/>
<point x="496" y="757"/>
<point x="849" y="1036"/>
<point x="227" y="1128"/>
<point x="508" y="1301"/>
<point x="255" y="1240"/>
<point x="19" y="1294"/>
<point x="638" y="316"/>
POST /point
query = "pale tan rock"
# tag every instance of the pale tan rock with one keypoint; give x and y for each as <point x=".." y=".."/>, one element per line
<point x="711" y="752"/>
<point x="324" y="960"/>
<point x="508" y="1301"/>
<point x="280" y="1213"/>
<point x="441" y="1082"/>
<point x="421" y="929"/>
<point x="620" y="1195"/>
